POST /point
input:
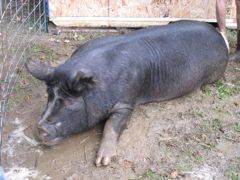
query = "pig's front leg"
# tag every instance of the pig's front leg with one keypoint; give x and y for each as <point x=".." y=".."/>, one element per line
<point x="112" y="130"/>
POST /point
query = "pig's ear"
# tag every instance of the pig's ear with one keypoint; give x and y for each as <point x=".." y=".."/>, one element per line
<point x="81" y="80"/>
<point x="39" y="70"/>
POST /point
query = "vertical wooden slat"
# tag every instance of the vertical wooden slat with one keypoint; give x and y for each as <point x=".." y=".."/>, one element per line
<point x="231" y="9"/>
<point x="1" y="8"/>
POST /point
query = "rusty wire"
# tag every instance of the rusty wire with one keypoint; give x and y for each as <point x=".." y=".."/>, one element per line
<point x="21" y="22"/>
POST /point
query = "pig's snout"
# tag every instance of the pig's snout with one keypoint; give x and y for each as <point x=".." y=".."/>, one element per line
<point x="47" y="134"/>
<point x="46" y="131"/>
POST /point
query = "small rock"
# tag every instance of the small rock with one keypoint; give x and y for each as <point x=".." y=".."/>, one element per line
<point x="73" y="177"/>
<point x="46" y="177"/>
<point x="174" y="174"/>
<point x="52" y="39"/>
<point x="220" y="154"/>
<point x="66" y="41"/>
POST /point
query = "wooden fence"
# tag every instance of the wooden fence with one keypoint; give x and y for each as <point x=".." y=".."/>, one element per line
<point x="132" y="13"/>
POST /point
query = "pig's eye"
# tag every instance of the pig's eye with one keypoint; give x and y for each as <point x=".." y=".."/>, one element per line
<point x="50" y="93"/>
<point x="68" y="102"/>
<point x="73" y="105"/>
<point x="58" y="103"/>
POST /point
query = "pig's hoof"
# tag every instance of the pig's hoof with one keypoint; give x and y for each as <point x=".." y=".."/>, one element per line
<point x="105" y="156"/>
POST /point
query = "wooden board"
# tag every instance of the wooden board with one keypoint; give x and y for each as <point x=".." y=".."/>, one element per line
<point x="78" y="8"/>
<point x="131" y="13"/>
<point x="163" y="8"/>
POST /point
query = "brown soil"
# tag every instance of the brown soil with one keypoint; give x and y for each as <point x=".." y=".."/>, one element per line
<point x="193" y="137"/>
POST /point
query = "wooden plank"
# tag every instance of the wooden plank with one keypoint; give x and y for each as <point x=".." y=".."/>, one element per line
<point x="163" y="8"/>
<point x="1" y="8"/>
<point x="133" y="13"/>
<point x="231" y="8"/>
<point x="83" y="8"/>
<point x="122" y="22"/>
<point x="133" y="8"/>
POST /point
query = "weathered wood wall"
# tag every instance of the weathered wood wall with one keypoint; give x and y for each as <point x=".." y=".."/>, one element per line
<point x="81" y="9"/>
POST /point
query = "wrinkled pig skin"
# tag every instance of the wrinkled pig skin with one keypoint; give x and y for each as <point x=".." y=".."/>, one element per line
<point x="105" y="78"/>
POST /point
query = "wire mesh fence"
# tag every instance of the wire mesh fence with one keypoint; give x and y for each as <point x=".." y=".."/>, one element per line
<point x="22" y="21"/>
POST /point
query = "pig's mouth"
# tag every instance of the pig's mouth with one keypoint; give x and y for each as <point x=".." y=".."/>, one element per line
<point x="48" y="135"/>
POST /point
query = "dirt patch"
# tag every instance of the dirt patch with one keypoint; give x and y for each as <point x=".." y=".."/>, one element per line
<point x="196" y="136"/>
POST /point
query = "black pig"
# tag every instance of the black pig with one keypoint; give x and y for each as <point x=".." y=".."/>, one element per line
<point x="105" y="78"/>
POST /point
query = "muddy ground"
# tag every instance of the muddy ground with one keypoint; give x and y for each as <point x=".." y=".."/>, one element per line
<point x="193" y="137"/>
